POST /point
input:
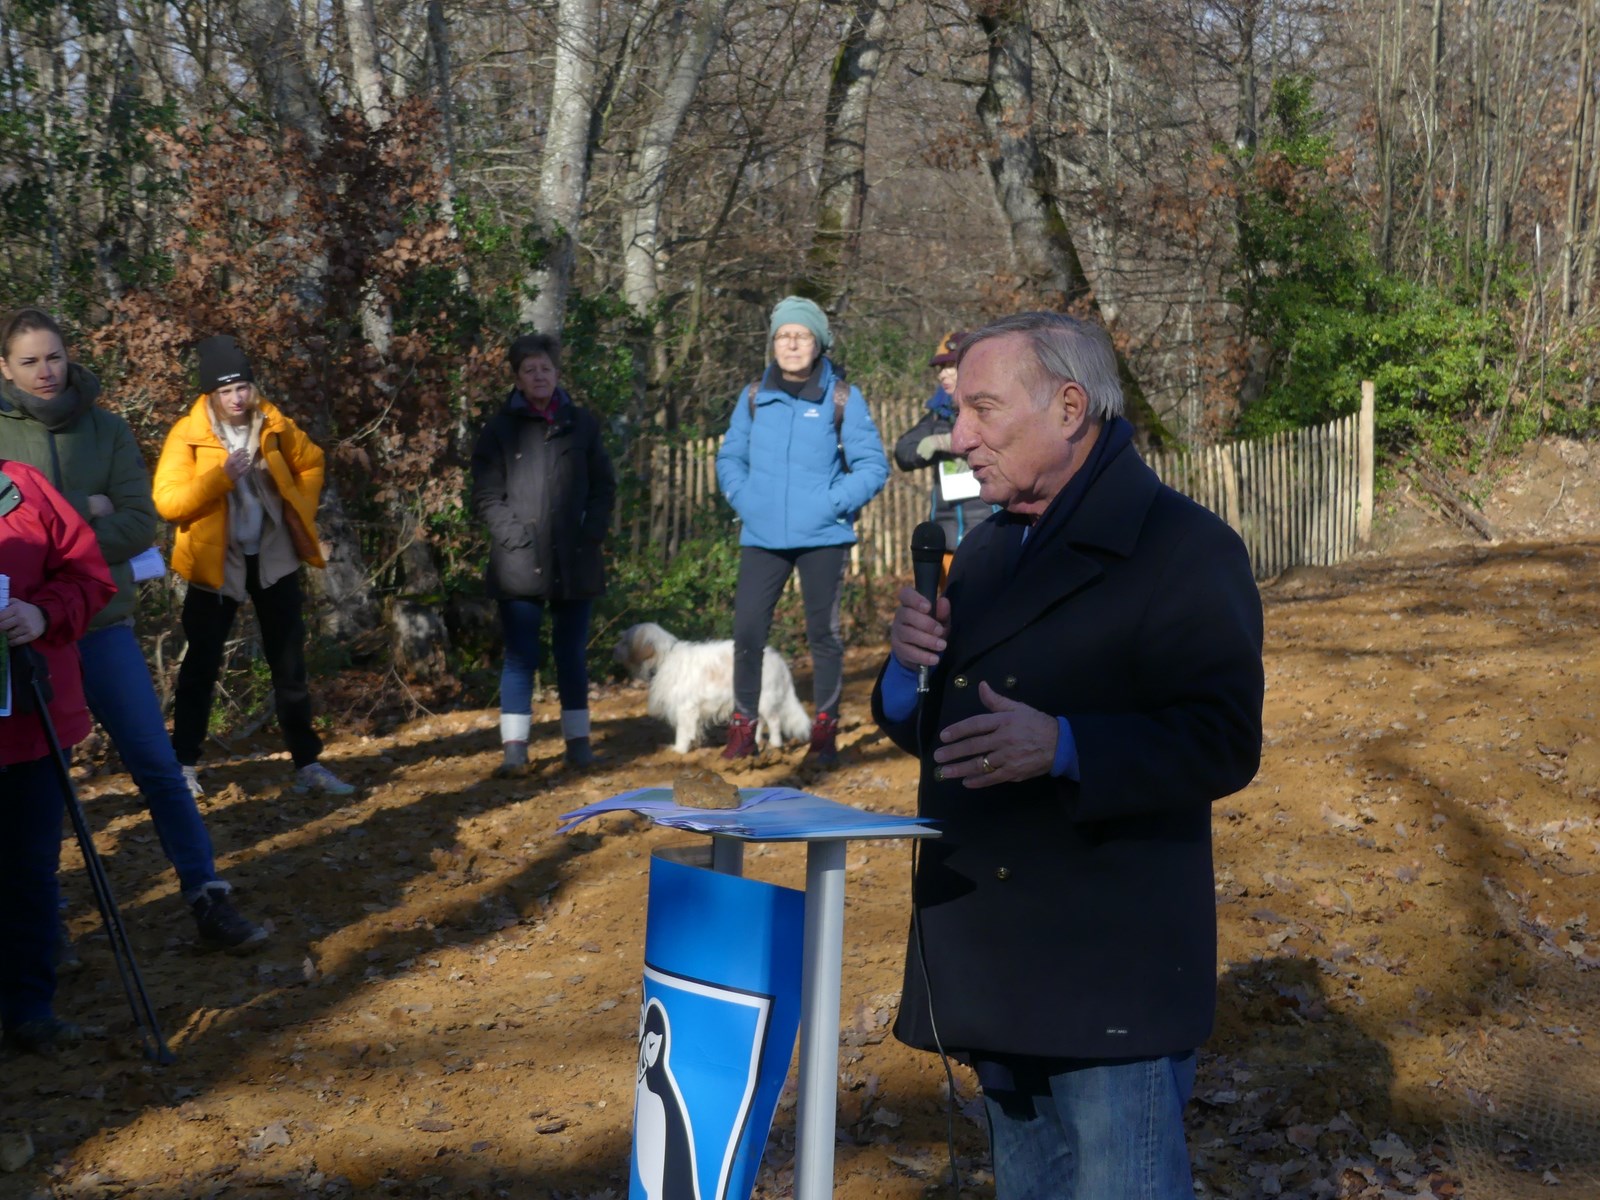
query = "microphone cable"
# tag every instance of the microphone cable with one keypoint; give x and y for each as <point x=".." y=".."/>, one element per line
<point x="927" y="986"/>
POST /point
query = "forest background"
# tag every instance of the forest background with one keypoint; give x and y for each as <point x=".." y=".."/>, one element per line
<point x="1265" y="201"/>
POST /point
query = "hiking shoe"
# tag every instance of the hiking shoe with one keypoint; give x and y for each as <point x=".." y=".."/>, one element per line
<point x="579" y="752"/>
<point x="741" y="737"/>
<point x="192" y="777"/>
<point x="314" y="777"/>
<point x="824" y="749"/>
<point x="44" y="1036"/>
<point x="513" y="761"/>
<point x="221" y="925"/>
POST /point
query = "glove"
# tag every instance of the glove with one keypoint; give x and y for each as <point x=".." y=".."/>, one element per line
<point x="934" y="443"/>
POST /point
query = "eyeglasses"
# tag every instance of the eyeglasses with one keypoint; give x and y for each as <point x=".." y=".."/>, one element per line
<point x="795" y="339"/>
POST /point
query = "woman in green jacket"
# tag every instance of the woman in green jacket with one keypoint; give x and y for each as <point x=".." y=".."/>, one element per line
<point x="49" y="420"/>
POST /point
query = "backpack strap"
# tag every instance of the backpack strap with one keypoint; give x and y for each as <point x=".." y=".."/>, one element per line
<point x="838" y="415"/>
<point x="838" y="419"/>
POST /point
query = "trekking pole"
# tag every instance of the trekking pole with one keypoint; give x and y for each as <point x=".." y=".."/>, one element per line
<point x="144" y="1013"/>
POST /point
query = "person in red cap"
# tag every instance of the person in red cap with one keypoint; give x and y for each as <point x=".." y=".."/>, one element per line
<point x="954" y="502"/>
<point x="241" y="482"/>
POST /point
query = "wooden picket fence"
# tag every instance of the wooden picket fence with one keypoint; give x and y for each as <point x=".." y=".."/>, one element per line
<point x="1300" y="498"/>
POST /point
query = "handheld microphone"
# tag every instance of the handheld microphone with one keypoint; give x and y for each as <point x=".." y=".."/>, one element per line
<point x="927" y="558"/>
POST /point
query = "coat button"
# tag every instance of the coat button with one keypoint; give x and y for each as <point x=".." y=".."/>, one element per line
<point x="1011" y="681"/>
<point x="1002" y="873"/>
<point x="960" y="681"/>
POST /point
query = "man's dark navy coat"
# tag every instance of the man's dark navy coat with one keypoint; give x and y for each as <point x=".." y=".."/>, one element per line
<point x="1070" y="919"/>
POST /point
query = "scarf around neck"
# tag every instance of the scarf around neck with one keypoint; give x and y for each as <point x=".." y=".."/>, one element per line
<point x="56" y="413"/>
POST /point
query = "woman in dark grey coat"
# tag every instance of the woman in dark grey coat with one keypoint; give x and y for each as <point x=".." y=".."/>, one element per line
<point x="542" y="482"/>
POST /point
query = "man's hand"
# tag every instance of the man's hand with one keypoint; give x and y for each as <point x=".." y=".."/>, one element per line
<point x="238" y="463"/>
<point x="100" y="505"/>
<point x="917" y="635"/>
<point x="1010" y="742"/>
<point x="22" y="622"/>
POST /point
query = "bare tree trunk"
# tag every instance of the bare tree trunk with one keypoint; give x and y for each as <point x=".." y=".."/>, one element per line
<point x="1247" y="107"/>
<point x="417" y="633"/>
<point x="842" y="194"/>
<point x="1578" y="213"/>
<point x="1089" y="95"/>
<point x="439" y="61"/>
<point x="1432" y="132"/>
<point x="268" y="34"/>
<point x="116" y="74"/>
<point x="1041" y="244"/>
<point x="564" y="172"/>
<point x="1386" y="98"/>
<point x="1516" y="94"/>
<point x="267" y="31"/>
<point x="1257" y="350"/>
<point x="361" y="29"/>
<point x="1590" y="253"/>
<point x="645" y="183"/>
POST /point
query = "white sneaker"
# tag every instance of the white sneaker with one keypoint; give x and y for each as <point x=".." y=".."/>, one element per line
<point x="314" y="777"/>
<point x="192" y="778"/>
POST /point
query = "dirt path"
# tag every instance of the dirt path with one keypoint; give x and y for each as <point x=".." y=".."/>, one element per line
<point x="448" y="1005"/>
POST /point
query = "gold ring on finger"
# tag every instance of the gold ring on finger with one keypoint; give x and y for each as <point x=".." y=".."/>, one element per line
<point x="987" y="765"/>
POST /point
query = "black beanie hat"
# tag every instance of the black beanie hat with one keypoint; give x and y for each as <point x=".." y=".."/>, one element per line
<point x="223" y="362"/>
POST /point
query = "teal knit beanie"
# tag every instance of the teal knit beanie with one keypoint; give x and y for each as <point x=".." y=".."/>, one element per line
<point x="797" y="310"/>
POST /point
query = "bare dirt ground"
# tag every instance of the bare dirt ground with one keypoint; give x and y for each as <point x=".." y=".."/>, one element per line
<point x="448" y="1005"/>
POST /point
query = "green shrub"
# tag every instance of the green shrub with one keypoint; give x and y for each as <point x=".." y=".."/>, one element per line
<point x="1311" y="287"/>
<point x="691" y="595"/>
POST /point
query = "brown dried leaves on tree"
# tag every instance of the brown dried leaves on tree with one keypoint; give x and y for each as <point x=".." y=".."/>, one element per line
<point x="300" y="254"/>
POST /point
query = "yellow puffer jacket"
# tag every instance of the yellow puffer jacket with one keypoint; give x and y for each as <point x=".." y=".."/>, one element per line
<point x="191" y="489"/>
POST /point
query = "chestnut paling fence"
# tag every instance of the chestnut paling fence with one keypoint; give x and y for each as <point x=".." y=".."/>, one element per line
<point x="1297" y="498"/>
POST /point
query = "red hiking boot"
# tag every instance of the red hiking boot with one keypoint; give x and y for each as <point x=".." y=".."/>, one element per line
<point x="824" y="749"/>
<point x="741" y="737"/>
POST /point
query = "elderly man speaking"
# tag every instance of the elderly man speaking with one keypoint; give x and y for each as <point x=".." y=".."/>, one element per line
<point x="1096" y="684"/>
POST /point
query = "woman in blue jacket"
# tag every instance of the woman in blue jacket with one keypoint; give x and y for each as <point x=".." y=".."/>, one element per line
<point x="800" y="461"/>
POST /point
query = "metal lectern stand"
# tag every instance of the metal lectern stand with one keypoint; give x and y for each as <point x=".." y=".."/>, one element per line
<point x="823" y="951"/>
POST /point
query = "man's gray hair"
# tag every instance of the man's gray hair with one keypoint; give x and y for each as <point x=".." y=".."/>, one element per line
<point x="1065" y="350"/>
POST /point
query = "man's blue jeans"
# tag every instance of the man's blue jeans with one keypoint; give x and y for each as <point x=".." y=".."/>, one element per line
<point x="1102" y="1132"/>
<point x="116" y="683"/>
<point x="520" y="622"/>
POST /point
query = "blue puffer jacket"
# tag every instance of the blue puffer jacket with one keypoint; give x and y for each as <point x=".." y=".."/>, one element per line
<point x="781" y="470"/>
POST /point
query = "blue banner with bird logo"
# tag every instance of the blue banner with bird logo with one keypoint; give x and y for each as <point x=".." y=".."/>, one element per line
<point x="717" y="1026"/>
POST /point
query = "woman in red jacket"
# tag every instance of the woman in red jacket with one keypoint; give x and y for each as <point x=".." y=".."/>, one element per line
<point x="56" y="580"/>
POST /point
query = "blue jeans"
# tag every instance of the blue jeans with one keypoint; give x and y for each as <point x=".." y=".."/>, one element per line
<point x="1101" y="1132"/>
<point x="116" y="683"/>
<point x="520" y="622"/>
<point x="30" y="852"/>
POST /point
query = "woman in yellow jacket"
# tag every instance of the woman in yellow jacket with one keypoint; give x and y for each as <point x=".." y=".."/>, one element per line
<point x="241" y="482"/>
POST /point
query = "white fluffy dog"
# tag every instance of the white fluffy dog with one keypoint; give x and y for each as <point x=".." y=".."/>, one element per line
<point x="691" y="685"/>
